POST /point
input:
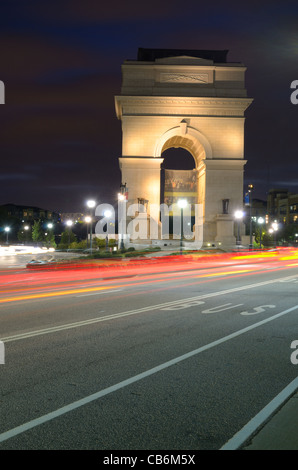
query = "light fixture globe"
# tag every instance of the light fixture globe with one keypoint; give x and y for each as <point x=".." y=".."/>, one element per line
<point x="239" y="214"/>
<point x="182" y="203"/>
<point x="91" y="203"/>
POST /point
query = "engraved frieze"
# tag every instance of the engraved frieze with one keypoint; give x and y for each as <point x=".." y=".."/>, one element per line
<point x="184" y="78"/>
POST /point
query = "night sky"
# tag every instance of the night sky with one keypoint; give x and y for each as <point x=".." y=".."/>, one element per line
<point x="60" y="61"/>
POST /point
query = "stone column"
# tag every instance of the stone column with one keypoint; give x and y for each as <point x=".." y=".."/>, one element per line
<point x="142" y="176"/>
<point x="224" y="180"/>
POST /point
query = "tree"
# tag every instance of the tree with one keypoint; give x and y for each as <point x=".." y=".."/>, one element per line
<point x="37" y="233"/>
<point x="288" y="233"/>
<point x="67" y="238"/>
<point x="50" y="239"/>
<point x="267" y="239"/>
<point x="22" y="236"/>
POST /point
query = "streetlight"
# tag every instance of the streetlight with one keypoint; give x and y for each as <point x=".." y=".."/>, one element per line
<point x="122" y="197"/>
<point x="91" y="204"/>
<point x="275" y="228"/>
<point x="26" y="228"/>
<point x="69" y="224"/>
<point x="260" y="222"/>
<point x="50" y="227"/>
<point x="182" y="203"/>
<point x="7" y="230"/>
<point x="250" y="189"/>
<point x="239" y="216"/>
<point x="107" y="214"/>
<point x="88" y="220"/>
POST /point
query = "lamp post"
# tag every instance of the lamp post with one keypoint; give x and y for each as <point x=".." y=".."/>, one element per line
<point x="121" y="199"/>
<point x="275" y="228"/>
<point x="238" y="216"/>
<point x="250" y="189"/>
<point x="121" y="209"/>
<point x="7" y="230"/>
<point x="50" y="227"/>
<point x="88" y="220"/>
<point x="26" y="228"/>
<point x="182" y="203"/>
<point x="260" y="222"/>
<point x="69" y="224"/>
<point x="91" y="203"/>
<point x="107" y="214"/>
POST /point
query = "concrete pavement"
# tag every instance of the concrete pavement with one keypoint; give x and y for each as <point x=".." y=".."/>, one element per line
<point x="280" y="432"/>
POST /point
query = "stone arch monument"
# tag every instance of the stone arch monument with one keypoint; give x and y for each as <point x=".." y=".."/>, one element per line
<point x="194" y="100"/>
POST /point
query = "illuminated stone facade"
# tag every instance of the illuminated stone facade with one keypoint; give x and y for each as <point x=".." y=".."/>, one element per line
<point x="194" y="100"/>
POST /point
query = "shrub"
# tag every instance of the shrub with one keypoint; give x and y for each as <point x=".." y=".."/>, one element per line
<point x="82" y="245"/>
<point x="133" y="254"/>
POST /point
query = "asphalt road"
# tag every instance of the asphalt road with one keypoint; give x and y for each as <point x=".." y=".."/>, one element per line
<point x="175" y="357"/>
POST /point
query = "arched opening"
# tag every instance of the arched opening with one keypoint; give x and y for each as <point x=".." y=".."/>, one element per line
<point x="174" y="159"/>
<point x="178" y="181"/>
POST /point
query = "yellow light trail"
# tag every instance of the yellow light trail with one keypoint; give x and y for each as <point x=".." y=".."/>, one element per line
<point x="95" y="289"/>
<point x="104" y="288"/>
<point x="227" y="273"/>
<point x="255" y="256"/>
<point x="55" y="294"/>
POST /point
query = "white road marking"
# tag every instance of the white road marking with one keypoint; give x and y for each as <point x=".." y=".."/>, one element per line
<point x="255" y="423"/>
<point x="221" y="308"/>
<point x="101" y="292"/>
<point x="91" y="321"/>
<point x="95" y="396"/>
<point x="2" y="353"/>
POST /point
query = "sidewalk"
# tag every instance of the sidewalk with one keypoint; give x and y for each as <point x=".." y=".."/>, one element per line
<point x="280" y="432"/>
<point x="275" y="427"/>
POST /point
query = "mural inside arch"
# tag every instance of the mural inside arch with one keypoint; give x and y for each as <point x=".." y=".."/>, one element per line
<point x="180" y="184"/>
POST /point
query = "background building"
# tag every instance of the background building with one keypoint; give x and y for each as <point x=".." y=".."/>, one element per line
<point x="17" y="218"/>
<point x="283" y="206"/>
<point x="28" y="213"/>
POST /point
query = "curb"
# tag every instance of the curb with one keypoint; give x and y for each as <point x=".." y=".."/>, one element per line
<point x="103" y="263"/>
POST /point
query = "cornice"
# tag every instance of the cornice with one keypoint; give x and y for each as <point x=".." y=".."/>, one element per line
<point x="148" y="105"/>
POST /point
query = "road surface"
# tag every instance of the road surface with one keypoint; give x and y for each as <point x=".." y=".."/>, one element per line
<point x="176" y="355"/>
